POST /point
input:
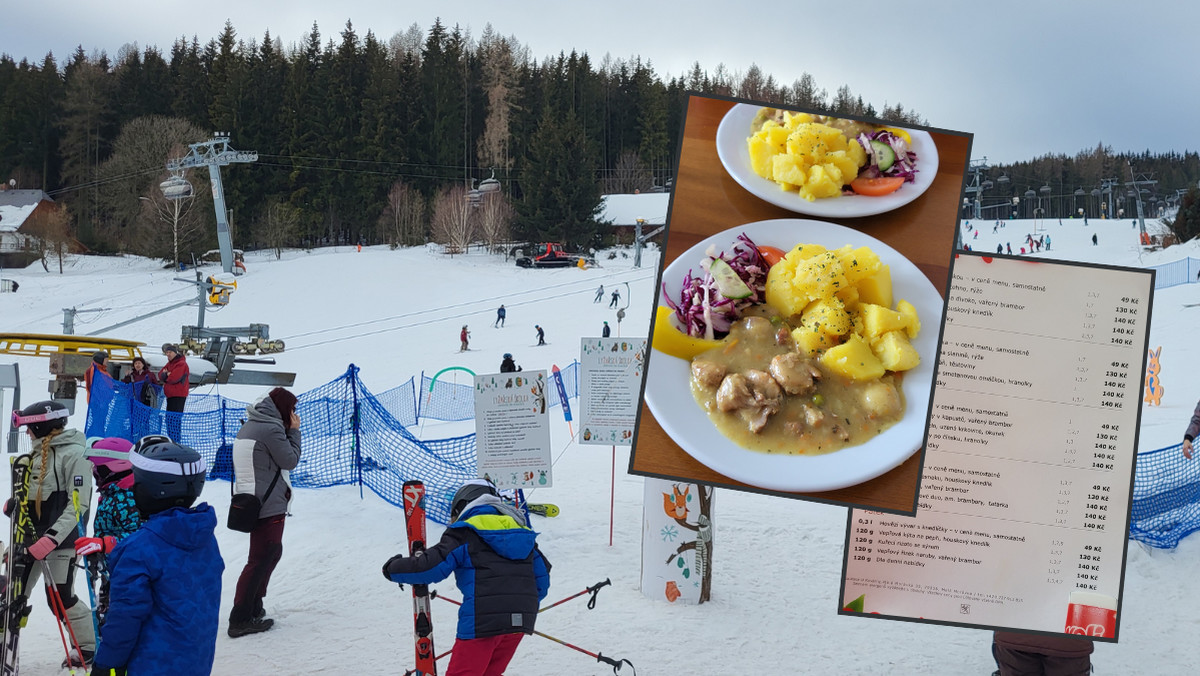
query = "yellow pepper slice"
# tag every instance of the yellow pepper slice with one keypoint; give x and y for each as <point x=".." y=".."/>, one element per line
<point x="901" y="133"/>
<point x="670" y="340"/>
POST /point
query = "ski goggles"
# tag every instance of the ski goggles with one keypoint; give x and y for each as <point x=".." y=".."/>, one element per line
<point x="19" y="420"/>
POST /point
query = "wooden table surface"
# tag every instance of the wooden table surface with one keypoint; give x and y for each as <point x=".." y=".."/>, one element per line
<point x="707" y="200"/>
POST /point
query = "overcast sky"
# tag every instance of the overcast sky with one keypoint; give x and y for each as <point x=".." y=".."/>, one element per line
<point x="1025" y="77"/>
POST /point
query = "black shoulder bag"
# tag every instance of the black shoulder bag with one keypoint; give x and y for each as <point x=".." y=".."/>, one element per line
<point x="244" y="508"/>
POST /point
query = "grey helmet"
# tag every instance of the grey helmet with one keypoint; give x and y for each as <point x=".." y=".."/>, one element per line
<point x="165" y="474"/>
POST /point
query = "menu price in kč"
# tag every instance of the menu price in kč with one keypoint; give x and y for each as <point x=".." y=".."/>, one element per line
<point x="1022" y="516"/>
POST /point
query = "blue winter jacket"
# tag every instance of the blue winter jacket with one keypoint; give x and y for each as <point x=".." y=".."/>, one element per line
<point x="496" y="564"/>
<point x="164" y="607"/>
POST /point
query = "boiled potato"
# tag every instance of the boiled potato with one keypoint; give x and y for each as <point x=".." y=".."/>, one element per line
<point x="852" y="359"/>
<point x="811" y="342"/>
<point x="828" y="315"/>
<point x="895" y="352"/>
<point x="910" y="314"/>
<point x="878" y="320"/>
<point x="817" y="160"/>
<point x="877" y="288"/>
<point x="840" y="301"/>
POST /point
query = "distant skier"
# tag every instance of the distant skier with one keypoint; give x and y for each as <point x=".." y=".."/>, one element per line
<point x="1008" y="248"/>
<point x="508" y="365"/>
<point x="500" y="317"/>
<point x="465" y="337"/>
<point x="616" y="298"/>
<point x="605" y="332"/>
<point x="999" y="248"/>
<point x="599" y="294"/>
<point x="541" y="335"/>
<point x="1095" y="240"/>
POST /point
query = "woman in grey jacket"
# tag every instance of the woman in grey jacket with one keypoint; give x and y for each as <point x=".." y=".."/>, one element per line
<point x="266" y="448"/>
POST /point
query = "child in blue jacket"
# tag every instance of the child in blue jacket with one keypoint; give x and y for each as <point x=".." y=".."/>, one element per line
<point x="166" y="577"/>
<point x="499" y="570"/>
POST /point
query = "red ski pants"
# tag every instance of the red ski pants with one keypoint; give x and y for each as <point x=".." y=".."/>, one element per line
<point x="483" y="656"/>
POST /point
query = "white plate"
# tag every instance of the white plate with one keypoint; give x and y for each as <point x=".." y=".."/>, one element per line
<point x="735" y="155"/>
<point x="669" y="396"/>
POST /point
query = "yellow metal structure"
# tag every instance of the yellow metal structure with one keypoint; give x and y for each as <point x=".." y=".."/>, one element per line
<point x="47" y="344"/>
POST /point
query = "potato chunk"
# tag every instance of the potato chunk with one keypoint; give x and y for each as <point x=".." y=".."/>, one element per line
<point x="852" y="359"/>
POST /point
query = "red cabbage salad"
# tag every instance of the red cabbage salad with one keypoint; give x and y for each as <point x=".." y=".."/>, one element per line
<point x="899" y="163"/>
<point x="702" y="310"/>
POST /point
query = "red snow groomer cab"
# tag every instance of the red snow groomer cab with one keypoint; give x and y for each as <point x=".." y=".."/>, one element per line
<point x="551" y="256"/>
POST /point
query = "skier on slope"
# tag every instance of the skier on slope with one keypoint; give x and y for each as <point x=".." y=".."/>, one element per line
<point x="496" y="563"/>
<point x="464" y="337"/>
<point x="599" y="294"/>
<point x="166" y="577"/>
<point x="541" y="334"/>
<point x="59" y="469"/>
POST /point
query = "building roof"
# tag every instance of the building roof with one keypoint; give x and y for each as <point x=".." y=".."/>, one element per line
<point x="627" y="209"/>
<point x="17" y="205"/>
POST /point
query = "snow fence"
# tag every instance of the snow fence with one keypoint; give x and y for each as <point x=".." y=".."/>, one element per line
<point x="348" y="434"/>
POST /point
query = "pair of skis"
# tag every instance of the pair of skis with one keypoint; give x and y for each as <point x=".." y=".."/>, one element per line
<point x="414" y="521"/>
<point x="16" y="569"/>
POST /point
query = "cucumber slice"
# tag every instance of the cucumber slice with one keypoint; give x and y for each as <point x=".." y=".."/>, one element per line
<point x="885" y="157"/>
<point x="728" y="283"/>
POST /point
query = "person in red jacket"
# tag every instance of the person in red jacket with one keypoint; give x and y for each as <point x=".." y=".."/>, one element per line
<point x="174" y="379"/>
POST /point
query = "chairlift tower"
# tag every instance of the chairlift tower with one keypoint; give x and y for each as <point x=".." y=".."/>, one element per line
<point x="214" y="154"/>
<point x="1136" y="183"/>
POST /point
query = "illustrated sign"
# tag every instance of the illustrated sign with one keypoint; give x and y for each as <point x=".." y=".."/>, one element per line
<point x="1022" y="520"/>
<point x="611" y="372"/>
<point x="512" y="429"/>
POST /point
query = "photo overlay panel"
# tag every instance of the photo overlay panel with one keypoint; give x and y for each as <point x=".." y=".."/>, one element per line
<point x="1023" y="517"/>
<point x="787" y="355"/>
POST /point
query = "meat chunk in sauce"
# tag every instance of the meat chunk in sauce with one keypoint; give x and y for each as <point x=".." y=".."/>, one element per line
<point x="793" y="373"/>
<point x="734" y="393"/>
<point x="707" y="373"/>
<point x="754" y="395"/>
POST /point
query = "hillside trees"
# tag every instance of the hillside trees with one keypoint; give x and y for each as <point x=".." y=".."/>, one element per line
<point x="337" y="121"/>
<point x="560" y="189"/>
<point x="125" y="222"/>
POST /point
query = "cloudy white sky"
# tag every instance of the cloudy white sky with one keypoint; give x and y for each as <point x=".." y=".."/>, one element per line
<point x="1027" y="77"/>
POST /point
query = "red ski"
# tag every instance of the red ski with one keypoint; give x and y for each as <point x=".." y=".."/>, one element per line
<point x="414" y="518"/>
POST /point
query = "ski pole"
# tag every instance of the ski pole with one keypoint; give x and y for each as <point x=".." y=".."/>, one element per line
<point x="91" y="582"/>
<point x="60" y="609"/>
<point x="594" y="589"/>
<point x="615" y="664"/>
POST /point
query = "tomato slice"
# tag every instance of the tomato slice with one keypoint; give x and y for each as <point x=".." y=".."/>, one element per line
<point x="771" y="254"/>
<point x="875" y="187"/>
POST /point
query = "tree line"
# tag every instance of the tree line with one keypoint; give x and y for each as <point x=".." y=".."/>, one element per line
<point x="361" y="140"/>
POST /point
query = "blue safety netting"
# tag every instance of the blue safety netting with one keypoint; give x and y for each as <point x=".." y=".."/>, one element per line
<point x="1182" y="271"/>
<point x="1166" y="498"/>
<point x="348" y="434"/>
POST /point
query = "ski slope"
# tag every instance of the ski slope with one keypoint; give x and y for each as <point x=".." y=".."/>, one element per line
<point x="777" y="562"/>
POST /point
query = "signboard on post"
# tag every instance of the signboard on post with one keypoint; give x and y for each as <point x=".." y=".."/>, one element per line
<point x="512" y="429"/>
<point x="611" y="371"/>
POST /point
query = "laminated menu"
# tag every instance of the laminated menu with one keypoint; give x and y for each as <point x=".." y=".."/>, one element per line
<point x="1023" y="514"/>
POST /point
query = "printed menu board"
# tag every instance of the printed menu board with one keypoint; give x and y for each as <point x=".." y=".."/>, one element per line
<point x="611" y="372"/>
<point x="512" y="429"/>
<point x="1023" y="515"/>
